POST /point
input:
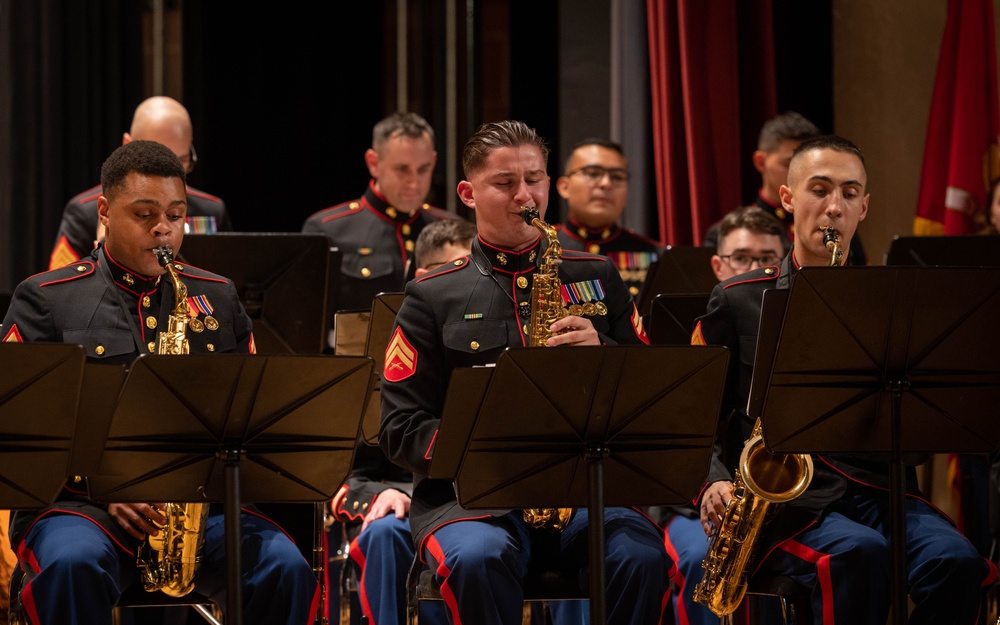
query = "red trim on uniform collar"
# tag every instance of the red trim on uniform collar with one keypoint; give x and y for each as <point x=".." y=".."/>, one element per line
<point x="508" y="261"/>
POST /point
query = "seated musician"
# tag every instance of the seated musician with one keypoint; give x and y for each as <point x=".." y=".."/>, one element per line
<point x="467" y="313"/>
<point x="79" y="555"/>
<point x="833" y="539"/>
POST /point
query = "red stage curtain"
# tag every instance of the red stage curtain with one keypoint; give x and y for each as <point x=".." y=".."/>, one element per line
<point x="699" y="51"/>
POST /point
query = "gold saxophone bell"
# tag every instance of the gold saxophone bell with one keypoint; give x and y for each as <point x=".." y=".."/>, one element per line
<point x="168" y="561"/>
<point x="546" y="308"/>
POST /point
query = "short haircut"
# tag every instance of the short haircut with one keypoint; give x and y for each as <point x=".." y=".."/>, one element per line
<point x="437" y="234"/>
<point x="789" y="126"/>
<point x="400" y="125"/>
<point x="754" y="219"/>
<point x="148" y="158"/>
<point x="495" y="135"/>
<point x="604" y="143"/>
<point x="830" y="142"/>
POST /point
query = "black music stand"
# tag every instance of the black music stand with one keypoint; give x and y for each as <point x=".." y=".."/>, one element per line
<point x="644" y="416"/>
<point x="39" y="395"/>
<point x="192" y="428"/>
<point x="672" y="316"/>
<point x="844" y="376"/>
<point x="952" y="250"/>
<point x="285" y="281"/>
<point x="384" y="309"/>
<point x="679" y="269"/>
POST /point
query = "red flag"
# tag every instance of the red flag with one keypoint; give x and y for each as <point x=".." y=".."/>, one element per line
<point x="961" y="153"/>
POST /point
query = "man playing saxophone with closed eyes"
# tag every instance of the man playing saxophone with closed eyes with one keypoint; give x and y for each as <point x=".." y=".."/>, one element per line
<point x="833" y="539"/>
<point x="78" y="555"/>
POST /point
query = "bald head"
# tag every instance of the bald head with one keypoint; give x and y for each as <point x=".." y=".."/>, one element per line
<point x="164" y="120"/>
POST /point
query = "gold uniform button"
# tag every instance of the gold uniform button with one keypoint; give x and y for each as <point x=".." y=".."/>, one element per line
<point x="409" y="246"/>
<point x="81" y="268"/>
<point x="354" y="205"/>
<point x="634" y="290"/>
<point x="365" y="272"/>
<point x="151" y="323"/>
<point x="768" y="271"/>
<point x="77" y="479"/>
<point x="459" y="262"/>
<point x="391" y="212"/>
<point x="99" y="350"/>
<point x="474" y="345"/>
<point x="524" y="328"/>
<point x="151" y="346"/>
<point x="145" y="301"/>
<point x="178" y="267"/>
<point x="582" y="232"/>
<point x="593" y="248"/>
<point x="406" y="229"/>
<point x="210" y="347"/>
<point x="522" y="282"/>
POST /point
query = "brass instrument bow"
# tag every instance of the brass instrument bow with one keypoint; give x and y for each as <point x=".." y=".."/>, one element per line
<point x="169" y="560"/>
<point x="546" y="308"/>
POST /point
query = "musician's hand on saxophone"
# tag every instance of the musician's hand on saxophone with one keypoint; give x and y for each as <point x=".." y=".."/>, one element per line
<point x="138" y="519"/>
<point x="713" y="504"/>
<point x="572" y="330"/>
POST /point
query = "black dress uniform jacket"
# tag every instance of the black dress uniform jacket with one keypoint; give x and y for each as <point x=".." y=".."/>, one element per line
<point x="115" y="314"/>
<point x="375" y="240"/>
<point x="731" y="320"/>
<point x="464" y="314"/>
<point x="75" y="240"/>
<point x="631" y="252"/>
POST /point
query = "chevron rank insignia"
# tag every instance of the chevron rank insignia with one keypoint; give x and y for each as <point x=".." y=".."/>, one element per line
<point x="400" y="358"/>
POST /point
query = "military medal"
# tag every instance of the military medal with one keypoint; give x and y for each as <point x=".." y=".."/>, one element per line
<point x="211" y="323"/>
<point x="585" y="298"/>
<point x="196" y="325"/>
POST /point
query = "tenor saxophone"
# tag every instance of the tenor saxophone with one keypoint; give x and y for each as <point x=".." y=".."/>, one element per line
<point x="168" y="561"/>
<point x="762" y="479"/>
<point x="546" y="308"/>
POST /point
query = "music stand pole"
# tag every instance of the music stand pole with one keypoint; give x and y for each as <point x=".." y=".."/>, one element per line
<point x="595" y="529"/>
<point x="897" y="508"/>
<point x="231" y="518"/>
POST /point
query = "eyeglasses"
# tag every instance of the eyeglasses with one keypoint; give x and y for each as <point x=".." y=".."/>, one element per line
<point x="189" y="160"/>
<point x="745" y="261"/>
<point x="596" y="173"/>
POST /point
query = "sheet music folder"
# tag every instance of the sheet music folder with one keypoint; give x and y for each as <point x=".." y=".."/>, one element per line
<point x="654" y="408"/>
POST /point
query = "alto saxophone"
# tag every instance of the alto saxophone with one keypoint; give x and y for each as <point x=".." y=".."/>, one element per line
<point x="546" y="308"/>
<point x="762" y="478"/>
<point x="169" y="560"/>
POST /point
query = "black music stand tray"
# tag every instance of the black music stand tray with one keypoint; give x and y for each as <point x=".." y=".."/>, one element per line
<point x="190" y="429"/>
<point x="39" y="394"/>
<point x="845" y="375"/>
<point x="384" y="309"/>
<point x="679" y="269"/>
<point x="644" y="416"/>
<point x="286" y="282"/>
<point x="672" y="316"/>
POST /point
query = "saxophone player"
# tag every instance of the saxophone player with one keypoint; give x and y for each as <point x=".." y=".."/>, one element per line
<point x="467" y="313"/>
<point x="78" y="555"/>
<point x="833" y="539"/>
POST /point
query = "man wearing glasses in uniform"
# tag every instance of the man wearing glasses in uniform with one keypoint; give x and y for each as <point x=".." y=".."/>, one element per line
<point x="595" y="187"/>
<point x="164" y="120"/>
<point x="748" y="237"/>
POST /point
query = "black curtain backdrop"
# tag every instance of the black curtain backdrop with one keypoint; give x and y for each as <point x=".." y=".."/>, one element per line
<point x="74" y="77"/>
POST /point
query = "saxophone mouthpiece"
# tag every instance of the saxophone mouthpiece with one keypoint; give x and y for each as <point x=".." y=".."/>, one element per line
<point x="529" y="214"/>
<point x="164" y="255"/>
<point x="830" y="237"/>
